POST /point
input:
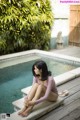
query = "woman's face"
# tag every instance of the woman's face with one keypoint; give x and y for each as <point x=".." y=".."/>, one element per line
<point x="37" y="72"/>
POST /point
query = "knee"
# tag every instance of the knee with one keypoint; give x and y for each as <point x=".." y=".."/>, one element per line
<point x="36" y="84"/>
<point x="42" y="87"/>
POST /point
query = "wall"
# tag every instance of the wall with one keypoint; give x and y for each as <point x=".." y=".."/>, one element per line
<point x="61" y="23"/>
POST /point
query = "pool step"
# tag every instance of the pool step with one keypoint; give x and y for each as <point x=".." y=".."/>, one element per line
<point x="38" y="110"/>
<point x="18" y="104"/>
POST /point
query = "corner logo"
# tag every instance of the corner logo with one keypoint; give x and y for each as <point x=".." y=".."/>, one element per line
<point x="4" y="116"/>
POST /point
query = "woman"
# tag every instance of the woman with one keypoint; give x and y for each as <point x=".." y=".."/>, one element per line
<point x="43" y="88"/>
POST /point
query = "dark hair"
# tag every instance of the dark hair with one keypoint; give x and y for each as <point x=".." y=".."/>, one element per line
<point x="41" y="65"/>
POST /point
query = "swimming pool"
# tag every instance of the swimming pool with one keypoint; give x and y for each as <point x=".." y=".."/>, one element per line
<point x="15" y="73"/>
<point x="12" y="80"/>
<point x="15" y="77"/>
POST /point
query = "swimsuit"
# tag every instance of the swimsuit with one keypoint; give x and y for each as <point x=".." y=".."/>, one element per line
<point x="50" y="86"/>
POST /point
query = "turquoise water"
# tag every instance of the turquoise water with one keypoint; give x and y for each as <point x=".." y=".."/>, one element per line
<point x="14" y="78"/>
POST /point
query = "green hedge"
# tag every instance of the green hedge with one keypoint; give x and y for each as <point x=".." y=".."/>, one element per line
<point x="25" y="25"/>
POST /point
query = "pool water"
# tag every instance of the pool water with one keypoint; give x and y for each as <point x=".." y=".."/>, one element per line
<point x="14" y="78"/>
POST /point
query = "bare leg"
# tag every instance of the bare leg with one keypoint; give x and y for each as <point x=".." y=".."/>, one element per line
<point x="52" y="97"/>
<point x="27" y="111"/>
<point x="40" y="91"/>
<point x="30" y="96"/>
<point x="32" y="91"/>
<point x="38" y="94"/>
<point x="23" y="109"/>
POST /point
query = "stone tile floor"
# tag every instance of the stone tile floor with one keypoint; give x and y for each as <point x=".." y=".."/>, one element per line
<point x="70" y="50"/>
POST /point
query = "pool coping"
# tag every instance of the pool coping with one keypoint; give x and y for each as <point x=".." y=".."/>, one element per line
<point x="60" y="79"/>
<point x="36" y="51"/>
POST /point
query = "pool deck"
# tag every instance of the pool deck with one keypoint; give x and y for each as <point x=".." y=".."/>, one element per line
<point x="70" y="51"/>
<point x="71" y="108"/>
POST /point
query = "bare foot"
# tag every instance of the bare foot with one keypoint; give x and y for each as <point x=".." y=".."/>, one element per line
<point x="27" y="111"/>
<point x="20" y="112"/>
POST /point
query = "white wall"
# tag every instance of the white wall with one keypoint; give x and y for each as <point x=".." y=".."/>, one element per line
<point x="61" y="22"/>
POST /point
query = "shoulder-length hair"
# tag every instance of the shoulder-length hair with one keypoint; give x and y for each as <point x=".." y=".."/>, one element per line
<point x="41" y="65"/>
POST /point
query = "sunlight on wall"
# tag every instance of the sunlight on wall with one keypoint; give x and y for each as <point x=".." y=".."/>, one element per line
<point x="60" y="10"/>
<point x="61" y="21"/>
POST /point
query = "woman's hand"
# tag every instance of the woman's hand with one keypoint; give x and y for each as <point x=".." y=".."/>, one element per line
<point x="26" y="101"/>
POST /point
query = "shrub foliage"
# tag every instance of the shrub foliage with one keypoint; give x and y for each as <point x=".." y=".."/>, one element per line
<point x="25" y="25"/>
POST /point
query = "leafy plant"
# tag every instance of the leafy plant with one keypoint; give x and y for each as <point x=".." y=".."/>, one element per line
<point x="24" y="25"/>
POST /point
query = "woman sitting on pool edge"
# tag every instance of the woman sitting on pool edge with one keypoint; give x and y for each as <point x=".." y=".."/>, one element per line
<point x="43" y="88"/>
